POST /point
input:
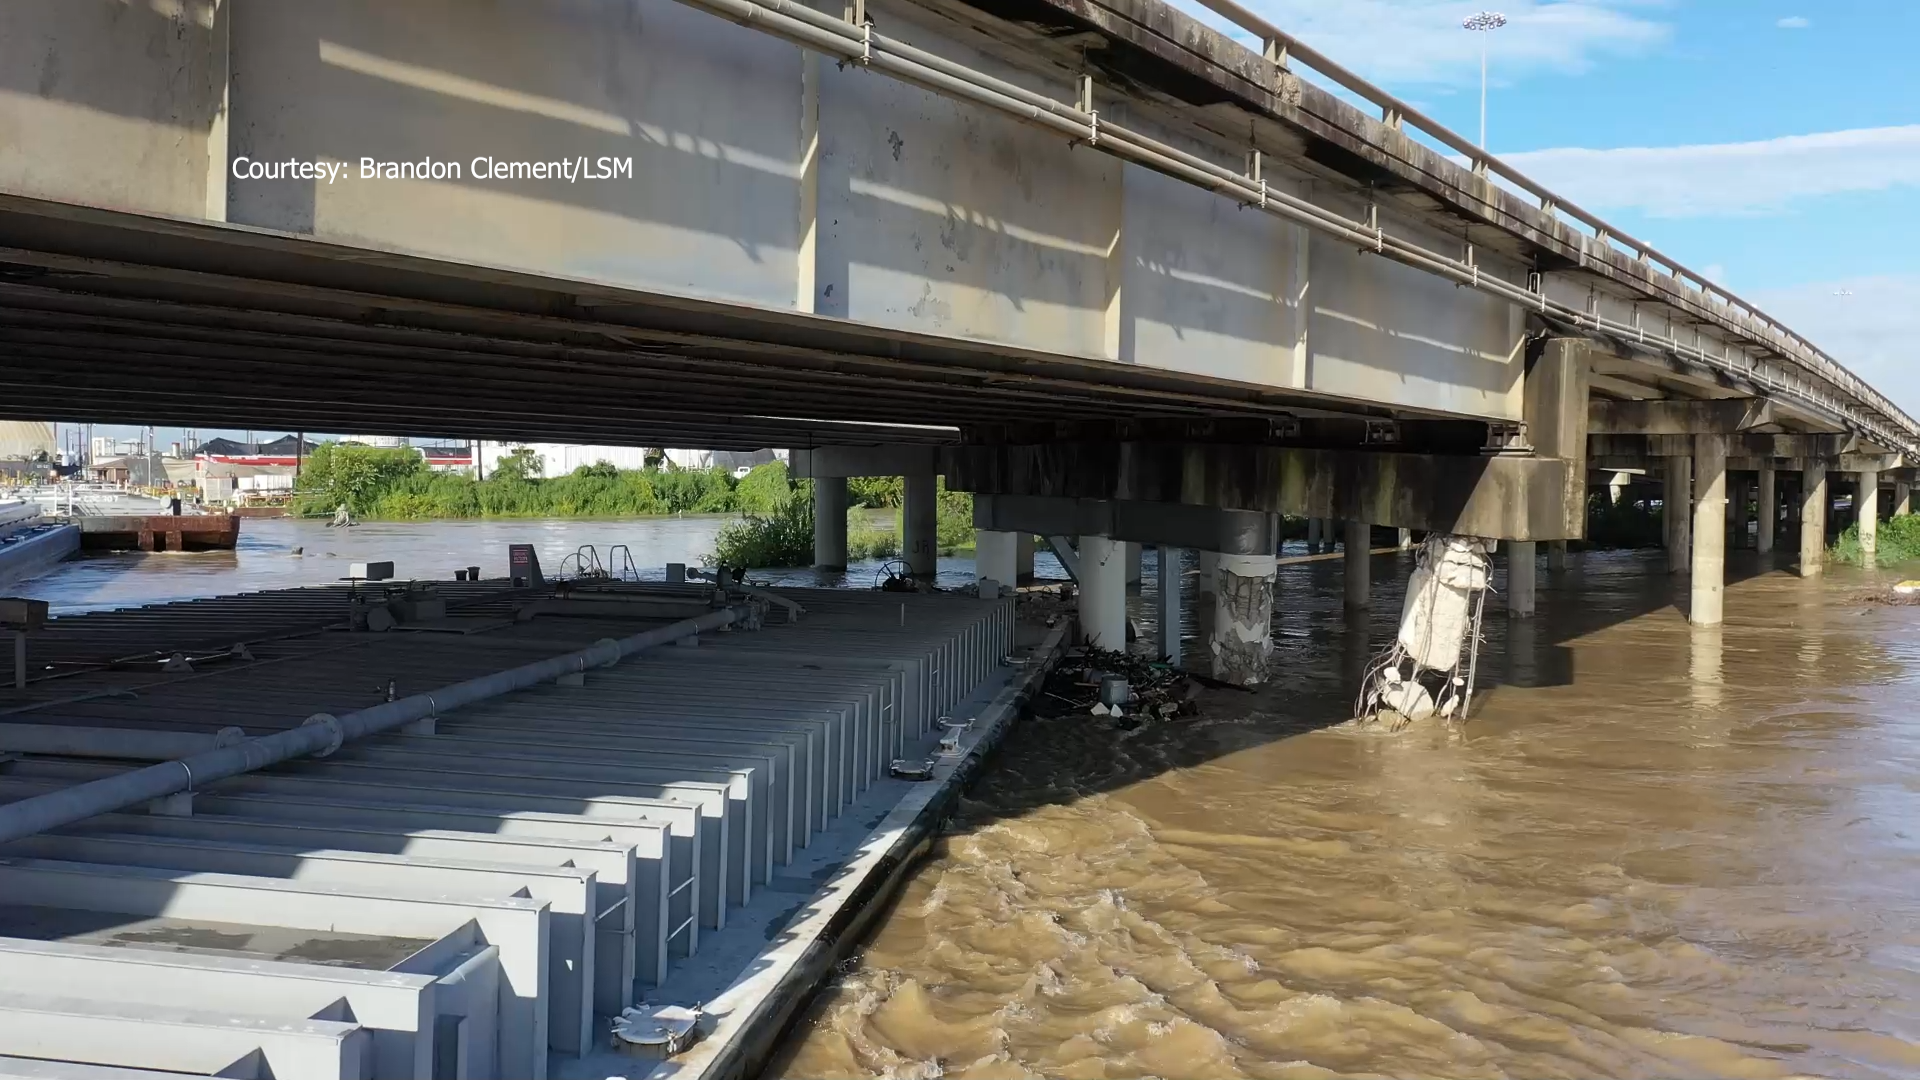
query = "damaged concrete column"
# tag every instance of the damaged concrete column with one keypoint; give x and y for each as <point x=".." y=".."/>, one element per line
<point x="830" y="523"/>
<point x="1769" y="508"/>
<point x="920" y="526"/>
<point x="995" y="557"/>
<point x="1709" y="530"/>
<point x="1866" y="501"/>
<point x="1103" y="592"/>
<point x="1676" y="500"/>
<point x="1521" y="556"/>
<point x="1813" y="519"/>
<point x="1359" y="584"/>
<point x="1242" y="618"/>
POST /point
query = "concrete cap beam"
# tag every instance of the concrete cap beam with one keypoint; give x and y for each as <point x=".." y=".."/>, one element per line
<point x="1678" y="417"/>
<point x="1205" y="528"/>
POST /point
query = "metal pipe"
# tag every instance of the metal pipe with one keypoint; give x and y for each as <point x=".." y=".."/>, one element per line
<point x="815" y="30"/>
<point x="323" y="734"/>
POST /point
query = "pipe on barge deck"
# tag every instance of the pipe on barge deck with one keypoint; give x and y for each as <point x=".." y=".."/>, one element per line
<point x="323" y="734"/>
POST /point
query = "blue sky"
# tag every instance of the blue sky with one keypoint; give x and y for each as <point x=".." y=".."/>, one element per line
<point x="1774" y="146"/>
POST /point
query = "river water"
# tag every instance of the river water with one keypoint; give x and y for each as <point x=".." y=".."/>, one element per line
<point x="1654" y="851"/>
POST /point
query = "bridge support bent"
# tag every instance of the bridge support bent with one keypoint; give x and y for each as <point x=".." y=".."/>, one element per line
<point x="1709" y="531"/>
<point x="830" y="523"/>
<point x="1103" y="592"/>
<point x="1769" y="509"/>
<point x="1813" y="519"/>
<point x="1866" y="501"/>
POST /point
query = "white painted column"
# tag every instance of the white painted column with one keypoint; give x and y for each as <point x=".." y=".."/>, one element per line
<point x="1024" y="545"/>
<point x="1866" y="500"/>
<point x="920" y="526"/>
<point x="995" y="557"/>
<point x="1313" y="536"/>
<point x="1769" y="508"/>
<point x="1521" y="568"/>
<point x="830" y="523"/>
<point x="1677" y="501"/>
<point x="1243" y="618"/>
<point x="1103" y="592"/>
<point x="1709" y="530"/>
<point x="1556" y="555"/>
<point x="1359" y="584"/>
<point x="1813" y="520"/>
<point x="1170" y="578"/>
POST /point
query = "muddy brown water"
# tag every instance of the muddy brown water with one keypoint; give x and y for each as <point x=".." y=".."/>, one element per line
<point x="1653" y="851"/>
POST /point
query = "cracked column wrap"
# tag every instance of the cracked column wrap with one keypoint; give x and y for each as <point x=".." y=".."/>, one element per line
<point x="1242" y="617"/>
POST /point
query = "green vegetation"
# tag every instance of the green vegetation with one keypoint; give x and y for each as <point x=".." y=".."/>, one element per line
<point x="396" y="485"/>
<point x="1623" y="524"/>
<point x="784" y="535"/>
<point x="1897" y="541"/>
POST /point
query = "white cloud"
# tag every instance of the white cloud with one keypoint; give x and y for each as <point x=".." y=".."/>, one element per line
<point x="1870" y="324"/>
<point x="1421" y="41"/>
<point x="1729" y="179"/>
<point x="1794" y="22"/>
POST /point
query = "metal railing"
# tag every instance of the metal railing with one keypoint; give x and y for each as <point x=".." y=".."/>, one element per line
<point x="1282" y="49"/>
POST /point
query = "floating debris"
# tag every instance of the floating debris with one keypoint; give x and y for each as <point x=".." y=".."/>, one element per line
<point x="1123" y="689"/>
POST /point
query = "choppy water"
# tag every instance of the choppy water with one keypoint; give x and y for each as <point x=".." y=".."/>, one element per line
<point x="265" y="557"/>
<point x="1655" y="851"/>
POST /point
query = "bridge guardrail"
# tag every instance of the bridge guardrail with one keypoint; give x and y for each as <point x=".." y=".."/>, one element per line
<point x="1281" y="47"/>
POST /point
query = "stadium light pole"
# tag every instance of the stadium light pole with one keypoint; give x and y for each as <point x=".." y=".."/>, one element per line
<point x="1484" y="23"/>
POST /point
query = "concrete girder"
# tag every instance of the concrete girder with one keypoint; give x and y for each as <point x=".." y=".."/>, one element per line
<point x="1207" y="528"/>
<point x="1678" y="418"/>
<point x="1500" y="497"/>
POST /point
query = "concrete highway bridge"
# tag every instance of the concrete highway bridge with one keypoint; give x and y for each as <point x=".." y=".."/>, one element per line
<point x="1124" y="278"/>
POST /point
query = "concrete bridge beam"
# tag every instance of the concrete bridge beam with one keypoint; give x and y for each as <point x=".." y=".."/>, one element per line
<point x="1709" y="530"/>
<point x="830" y="523"/>
<point x="1238" y="532"/>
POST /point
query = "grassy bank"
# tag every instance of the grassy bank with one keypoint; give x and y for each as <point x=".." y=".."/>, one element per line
<point x="1896" y="541"/>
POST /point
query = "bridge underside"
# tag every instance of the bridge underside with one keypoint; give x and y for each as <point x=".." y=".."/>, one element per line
<point x="123" y="318"/>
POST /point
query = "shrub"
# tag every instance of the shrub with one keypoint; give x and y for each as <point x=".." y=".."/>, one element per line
<point x="1896" y="541"/>
<point x="781" y="538"/>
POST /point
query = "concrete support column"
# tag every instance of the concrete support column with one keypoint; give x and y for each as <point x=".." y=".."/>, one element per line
<point x="920" y="526"/>
<point x="1617" y="485"/>
<point x="1025" y="543"/>
<point x="1406" y="539"/>
<point x="1313" y="536"/>
<point x="1866" y="502"/>
<point x="1359" y="583"/>
<point x="1813" y="520"/>
<point x="995" y="557"/>
<point x="1103" y="592"/>
<point x="1243" y="618"/>
<point x="1136" y="555"/>
<point x="1709" y="530"/>
<point x="1520" y="579"/>
<point x="1676" y="497"/>
<point x="1170" y="576"/>
<point x="830" y="523"/>
<point x="1902" y="498"/>
<point x="1769" y="508"/>
<point x="1556" y="555"/>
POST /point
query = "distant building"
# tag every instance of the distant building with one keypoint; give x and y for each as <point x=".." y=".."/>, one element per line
<point x="288" y="450"/>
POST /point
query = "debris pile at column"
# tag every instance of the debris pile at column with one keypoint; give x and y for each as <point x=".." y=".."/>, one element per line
<point x="1155" y="691"/>
<point x="1429" y="669"/>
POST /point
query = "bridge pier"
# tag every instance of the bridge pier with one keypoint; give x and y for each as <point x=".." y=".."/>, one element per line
<point x="1243" y="618"/>
<point x="1313" y="536"/>
<point x="1866" y="502"/>
<point x="1103" y="592"/>
<point x="1521" y="579"/>
<point x="1902" y="496"/>
<point x="1709" y="530"/>
<point x="1359" y="586"/>
<point x="1024" y="546"/>
<point x="1676" y="499"/>
<point x="1556" y="556"/>
<point x="1171" y="574"/>
<point x="1813" y="519"/>
<point x="920" y="526"/>
<point x="1769" y="509"/>
<point x="996" y="557"/>
<point x="1136" y="557"/>
<point x="830" y="523"/>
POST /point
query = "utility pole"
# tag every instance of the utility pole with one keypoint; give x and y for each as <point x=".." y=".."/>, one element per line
<point x="1484" y="23"/>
